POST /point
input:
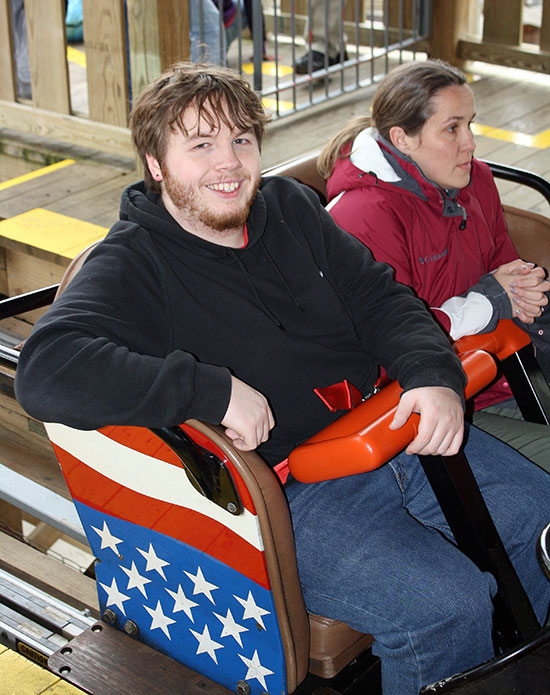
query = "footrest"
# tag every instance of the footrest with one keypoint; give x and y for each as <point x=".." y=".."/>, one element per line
<point x="103" y="660"/>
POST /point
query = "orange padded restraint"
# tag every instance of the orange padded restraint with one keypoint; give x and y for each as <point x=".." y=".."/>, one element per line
<point x="361" y="440"/>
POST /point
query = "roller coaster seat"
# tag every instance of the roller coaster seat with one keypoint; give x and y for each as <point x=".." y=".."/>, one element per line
<point x="311" y="642"/>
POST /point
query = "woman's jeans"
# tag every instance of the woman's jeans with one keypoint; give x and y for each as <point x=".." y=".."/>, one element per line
<point x="373" y="551"/>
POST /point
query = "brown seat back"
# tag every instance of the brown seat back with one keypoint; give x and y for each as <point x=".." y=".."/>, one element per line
<point x="304" y="170"/>
<point x="530" y="234"/>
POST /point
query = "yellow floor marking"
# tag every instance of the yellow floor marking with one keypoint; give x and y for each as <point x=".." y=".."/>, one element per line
<point x="51" y="231"/>
<point x="20" y="676"/>
<point x="268" y="68"/>
<point x="272" y="104"/>
<point x="35" y="174"/>
<point x="76" y="56"/>
<point x="540" y="140"/>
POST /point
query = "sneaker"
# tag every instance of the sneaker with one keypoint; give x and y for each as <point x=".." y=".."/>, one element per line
<point x="317" y="61"/>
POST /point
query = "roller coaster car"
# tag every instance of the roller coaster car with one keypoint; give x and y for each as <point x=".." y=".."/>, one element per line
<point x="196" y="569"/>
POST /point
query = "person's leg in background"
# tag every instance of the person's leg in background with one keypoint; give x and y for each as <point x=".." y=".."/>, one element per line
<point x="319" y="47"/>
<point x="206" y="38"/>
<point x="21" y="49"/>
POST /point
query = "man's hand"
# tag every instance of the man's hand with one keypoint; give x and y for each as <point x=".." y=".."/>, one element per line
<point x="248" y="418"/>
<point x="441" y="420"/>
<point x="525" y="286"/>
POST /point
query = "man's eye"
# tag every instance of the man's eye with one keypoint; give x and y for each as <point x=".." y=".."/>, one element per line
<point x="241" y="141"/>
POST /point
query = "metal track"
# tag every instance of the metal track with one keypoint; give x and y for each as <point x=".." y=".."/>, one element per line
<point x="34" y="623"/>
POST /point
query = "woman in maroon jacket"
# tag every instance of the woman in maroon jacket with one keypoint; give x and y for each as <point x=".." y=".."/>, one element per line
<point x="407" y="185"/>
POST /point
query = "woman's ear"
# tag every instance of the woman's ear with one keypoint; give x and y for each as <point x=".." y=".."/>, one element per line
<point x="154" y="167"/>
<point x="399" y="139"/>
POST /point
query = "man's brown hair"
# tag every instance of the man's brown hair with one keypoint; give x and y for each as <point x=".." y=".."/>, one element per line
<point x="219" y="95"/>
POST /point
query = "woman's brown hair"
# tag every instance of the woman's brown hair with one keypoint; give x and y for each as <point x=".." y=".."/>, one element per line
<point x="404" y="98"/>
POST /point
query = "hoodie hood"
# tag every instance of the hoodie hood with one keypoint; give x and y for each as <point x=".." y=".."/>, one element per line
<point x="146" y="209"/>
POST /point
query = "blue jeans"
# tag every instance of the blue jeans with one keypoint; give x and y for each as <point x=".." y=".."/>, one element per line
<point x="373" y="551"/>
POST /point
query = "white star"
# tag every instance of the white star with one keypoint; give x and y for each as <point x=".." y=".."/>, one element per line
<point x="230" y="627"/>
<point x="182" y="603"/>
<point x="153" y="562"/>
<point x="114" y="596"/>
<point x="251" y="610"/>
<point x="255" y="669"/>
<point x="206" y="644"/>
<point x="159" y="619"/>
<point x="135" y="579"/>
<point x="201" y="585"/>
<point x="107" y="538"/>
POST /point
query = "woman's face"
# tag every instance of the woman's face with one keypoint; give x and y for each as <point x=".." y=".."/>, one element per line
<point x="445" y="146"/>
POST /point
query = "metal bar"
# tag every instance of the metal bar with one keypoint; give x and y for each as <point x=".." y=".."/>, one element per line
<point x="476" y="536"/>
<point x="528" y="385"/>
<point x="27" y="302"/>
<point x="37" y="500"/>
<point x="527" y="178"/>
<point x="257" y="42"/>
<point x="8" y="357"/>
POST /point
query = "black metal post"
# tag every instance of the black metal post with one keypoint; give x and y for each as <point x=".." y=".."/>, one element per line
<point x="476" y="536"/>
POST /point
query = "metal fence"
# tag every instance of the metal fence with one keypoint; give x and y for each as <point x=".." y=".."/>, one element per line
<point x="299" y="53"/>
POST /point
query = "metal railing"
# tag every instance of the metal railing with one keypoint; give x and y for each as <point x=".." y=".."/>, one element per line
<point x="81" y="95"/>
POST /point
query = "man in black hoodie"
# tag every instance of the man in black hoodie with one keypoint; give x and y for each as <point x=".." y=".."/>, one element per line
<point x="229" y="298"/>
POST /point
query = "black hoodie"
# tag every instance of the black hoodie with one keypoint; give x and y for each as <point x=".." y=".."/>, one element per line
<point x="152" y="327"/>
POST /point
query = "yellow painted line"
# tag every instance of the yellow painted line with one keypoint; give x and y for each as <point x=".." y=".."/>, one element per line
<point x="269" y="68"/>
<point x="35" y="174"/>
<point x="540" y="140"/>
<point x="272" y="104"/>
<point x="76" y="56"/>
<point x="60" y="234"/>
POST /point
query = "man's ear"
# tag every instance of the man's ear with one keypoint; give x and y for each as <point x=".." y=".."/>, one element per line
<point x="154" y="167"/>
<point x="399" y="139"/>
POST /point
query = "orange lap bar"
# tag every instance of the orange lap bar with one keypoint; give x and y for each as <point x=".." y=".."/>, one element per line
<point x="361" y="440"/>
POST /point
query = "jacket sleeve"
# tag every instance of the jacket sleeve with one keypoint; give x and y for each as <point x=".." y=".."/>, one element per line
<point x="392" y="324"/>
<point x="102" y="354"/>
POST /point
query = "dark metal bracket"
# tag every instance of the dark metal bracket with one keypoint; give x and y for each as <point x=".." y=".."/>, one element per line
<point x="206" y="472"/>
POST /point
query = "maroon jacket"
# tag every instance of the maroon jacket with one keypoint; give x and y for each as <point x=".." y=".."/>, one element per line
<point x="439" y="243"/>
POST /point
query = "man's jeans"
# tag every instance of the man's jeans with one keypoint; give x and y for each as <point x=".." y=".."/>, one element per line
<point x="373" y="551"/>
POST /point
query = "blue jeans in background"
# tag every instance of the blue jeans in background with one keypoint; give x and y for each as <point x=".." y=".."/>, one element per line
<point x="211" y="49"/>
<point x="373" y="551"/>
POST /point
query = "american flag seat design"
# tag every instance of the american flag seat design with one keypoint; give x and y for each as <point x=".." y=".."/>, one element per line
<point x="213" y="587"/>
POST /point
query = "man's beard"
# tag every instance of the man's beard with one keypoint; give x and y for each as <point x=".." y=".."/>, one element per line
<point x="183" y="197"/>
